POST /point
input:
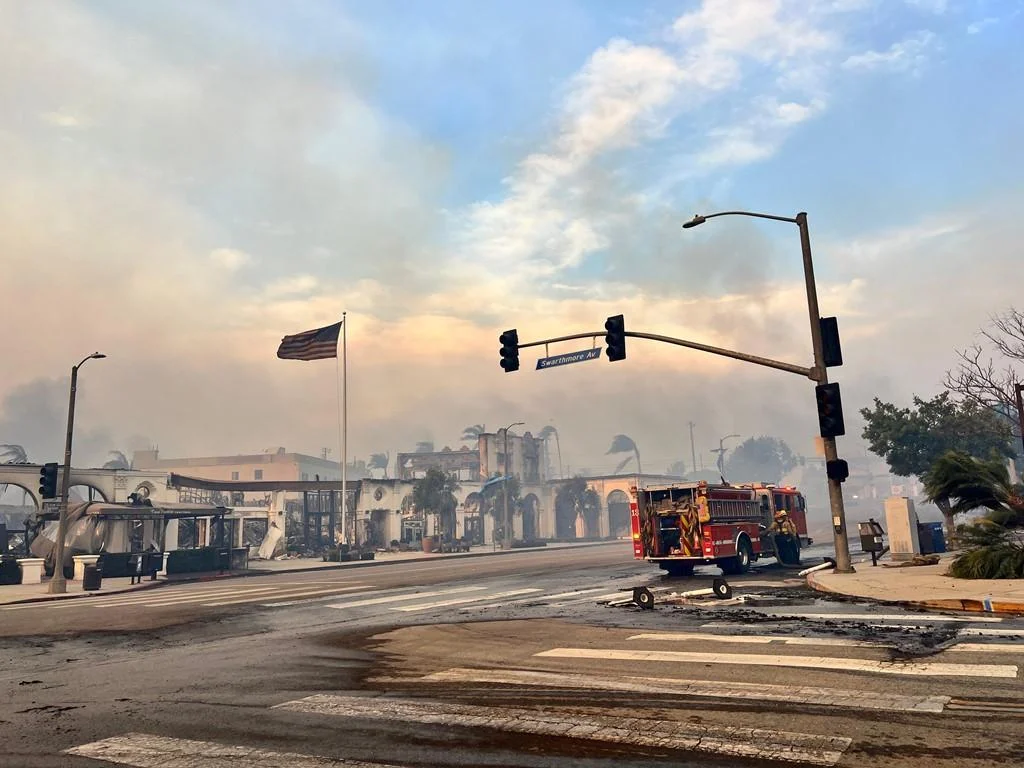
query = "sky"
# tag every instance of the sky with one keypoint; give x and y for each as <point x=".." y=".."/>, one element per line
<point x="186" y="182"/>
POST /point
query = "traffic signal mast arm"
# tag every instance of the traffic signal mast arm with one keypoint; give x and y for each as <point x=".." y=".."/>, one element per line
<point x="757" y="360"/>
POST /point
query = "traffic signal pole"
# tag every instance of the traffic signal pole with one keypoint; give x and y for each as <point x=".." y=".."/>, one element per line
<point x="820" y="375"/>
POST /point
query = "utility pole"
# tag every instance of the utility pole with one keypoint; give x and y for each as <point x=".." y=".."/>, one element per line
<point x="58" y="584"/>
<point x="693" y="449"/>
<point x="507" y="520"/>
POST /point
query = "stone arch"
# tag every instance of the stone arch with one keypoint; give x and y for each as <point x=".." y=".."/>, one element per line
<point x="92" y="492"/>
<point x="531" y="517"/>
<point x="473" y="503"/>
<point x="618" y="514"/>
<point x="144" y="490"/>
<point x="13" y="492"/>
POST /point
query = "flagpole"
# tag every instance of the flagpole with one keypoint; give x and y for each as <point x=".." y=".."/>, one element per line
<point x="344" y="427"/>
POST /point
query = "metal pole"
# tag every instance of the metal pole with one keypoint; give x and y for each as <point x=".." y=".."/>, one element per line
<point x="835" y="487"/>
<point x="58" y="584"/>
<point x="693" y="449"/>
<point x="504" y="496"/>
<point x="344" y="428"/>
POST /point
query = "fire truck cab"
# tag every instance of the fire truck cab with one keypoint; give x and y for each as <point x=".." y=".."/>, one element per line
<point x="682" y="525"/>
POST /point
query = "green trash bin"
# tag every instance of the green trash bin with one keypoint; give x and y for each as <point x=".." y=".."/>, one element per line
<point x="92" y="579"/>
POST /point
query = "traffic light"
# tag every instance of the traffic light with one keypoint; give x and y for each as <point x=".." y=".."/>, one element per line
<point x="48" y="480"/>
<point x="837" y="469"/>
<point x="615" y="338"/>
<point x="509" y="350"/>
<point x="833" y="353"/>
<point x="830" y="410"/>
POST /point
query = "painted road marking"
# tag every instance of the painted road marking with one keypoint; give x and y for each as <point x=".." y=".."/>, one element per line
<point x="880" y="617"/>
<point x="599" y="598"/>
<point x="302" y="593"/>
<point x="400" y="598"/>
<point x="129" y="598"/>
<point x="936" y="669"/>
<point x="145" y="751"/>
<point x="530" y="600"/>
<point x="821" y="641"/>
<point x="759" y="743"/>
<point x="161" y="595"/>
<point x="988" y="632"/>
<point x="461" y="600"/>
<point x="829" y="697"/>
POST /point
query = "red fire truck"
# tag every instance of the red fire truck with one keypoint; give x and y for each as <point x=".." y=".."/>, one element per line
<point x="682" y="525"/>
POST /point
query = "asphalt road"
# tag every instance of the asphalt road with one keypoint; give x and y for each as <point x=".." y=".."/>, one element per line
<point x="514" y="660"/>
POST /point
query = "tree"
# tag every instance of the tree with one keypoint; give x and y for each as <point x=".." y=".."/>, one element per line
<point x="544" y="435"/>
<point x="494" y="499"/>
<point x="434" y="494"/>
<point x="677" y="468"/>
<point x="911" y="440"/>
<point x="380" y="461"/>
<point x="625" y="444"/>
<point x="573" y="498"/>
<point x="762" y="458"/>
<point x="119" y="461"/>
<point x="473" y="431"/>
<point x="994" y="544"/>
<point x="987" y="373"/>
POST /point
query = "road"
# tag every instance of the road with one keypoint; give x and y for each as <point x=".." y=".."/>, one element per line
<point x="521" y="659"/>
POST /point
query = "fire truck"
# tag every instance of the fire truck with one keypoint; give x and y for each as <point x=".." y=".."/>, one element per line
<point x="683" y="525"/>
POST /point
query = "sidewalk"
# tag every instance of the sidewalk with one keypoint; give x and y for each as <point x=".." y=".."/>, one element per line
<point x="35" y="593"/>
<point x="924" y="586"/>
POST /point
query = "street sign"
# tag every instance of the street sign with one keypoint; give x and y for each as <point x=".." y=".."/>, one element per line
<point x="568" y="357"/>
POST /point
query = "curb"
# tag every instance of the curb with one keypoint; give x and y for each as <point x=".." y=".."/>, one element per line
<point x="187" y="579"/>
<point x="79" y="595"/>
<point x="969" y="605"/>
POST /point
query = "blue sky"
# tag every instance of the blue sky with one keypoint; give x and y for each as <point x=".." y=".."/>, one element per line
<point x="189" y="181"/>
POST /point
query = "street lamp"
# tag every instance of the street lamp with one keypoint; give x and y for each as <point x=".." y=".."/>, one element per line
<point x="507" y="520"/>
<point x="819" y="373"/>
<point x="721" y="452"/>
<point x="58" y="584"/>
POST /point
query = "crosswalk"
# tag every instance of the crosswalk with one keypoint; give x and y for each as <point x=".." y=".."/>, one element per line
<point x="625" y="668"/>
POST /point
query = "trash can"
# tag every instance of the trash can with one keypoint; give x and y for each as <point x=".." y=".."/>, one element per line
<point x="224" y="559"/>
<point x="938" y="537"/>
<point x="925" y="539"/>
<point x="92" y="579"/>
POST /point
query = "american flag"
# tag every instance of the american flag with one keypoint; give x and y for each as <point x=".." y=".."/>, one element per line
<point x="318" y="344"/>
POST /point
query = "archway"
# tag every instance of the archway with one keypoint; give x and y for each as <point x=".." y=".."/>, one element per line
<point x="618" y="514"/>
<point x="79" y="492"/>
<point x="565" y="518"/>
<point x="473" y="519"/>
<point x="531" y="507"/>
<point x="18" y="509"/>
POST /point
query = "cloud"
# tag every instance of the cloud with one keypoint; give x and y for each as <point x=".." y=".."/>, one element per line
<point x="230" y="259"/>
<point x="908" y="55"/>
<point x="937" y="7"/>
<point x="976" y="27"/>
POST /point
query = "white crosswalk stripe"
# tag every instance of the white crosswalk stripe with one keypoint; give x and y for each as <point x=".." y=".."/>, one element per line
<point x="462" y="600"/>
<point x="937" y="618"/>
<point x="535" y="600"/>
<point x="758" y="743"/>
<point x="401" y="598"/>
<point x="147" y="751"/>
<point x="932" y="669"/>
<point x="840" y="642"/>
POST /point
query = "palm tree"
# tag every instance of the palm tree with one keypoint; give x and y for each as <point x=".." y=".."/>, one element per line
<point x="120" y="461"/>
<point x="957" y="483"/>
<point x="544" y="435"/>
<point x="994" y="546"/>
<point x="573" y="498"/>
<point x="473" y="431"/>
<point x="380" y="461"/>
<point x="625" y="444"/>
<point x="12" y="454"/>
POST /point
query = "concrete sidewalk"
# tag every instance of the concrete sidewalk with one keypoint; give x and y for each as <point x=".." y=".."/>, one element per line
<point x="924" y="586"/>
<point x="36" y="593"/>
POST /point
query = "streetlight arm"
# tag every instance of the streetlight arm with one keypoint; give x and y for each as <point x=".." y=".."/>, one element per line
<point x="699" y="219"/>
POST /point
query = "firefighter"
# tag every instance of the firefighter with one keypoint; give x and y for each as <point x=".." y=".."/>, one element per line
<point x="787" y="542"/>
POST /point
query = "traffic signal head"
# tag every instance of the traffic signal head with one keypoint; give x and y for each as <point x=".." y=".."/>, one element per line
<point x="509" y="350"/>
<point x="832" y="350"/>
<point x="615" y="338"/>
<point x="48" y="481"/>
<point x="830" y="410"/>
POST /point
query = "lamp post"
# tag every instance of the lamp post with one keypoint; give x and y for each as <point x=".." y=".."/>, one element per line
<point x="819" y="373"/>
<point x="58" y="584"/>
<point x="507" y="524"/>
<point x="721" y="452"/>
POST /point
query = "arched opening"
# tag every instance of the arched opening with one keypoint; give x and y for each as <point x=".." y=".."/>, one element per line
<point x="618" y="514"/>
<point x="17" y="513"/>
<point x="565" y="518"/>
<point x="531" y="514"/>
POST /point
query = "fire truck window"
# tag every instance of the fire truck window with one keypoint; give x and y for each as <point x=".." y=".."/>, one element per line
<point x="766" y="507"/>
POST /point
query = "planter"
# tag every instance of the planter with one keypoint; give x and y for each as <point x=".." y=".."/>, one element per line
<point x="429" y="545"/>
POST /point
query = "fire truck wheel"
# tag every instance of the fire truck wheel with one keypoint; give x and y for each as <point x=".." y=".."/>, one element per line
<point x="740" y="564"/>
